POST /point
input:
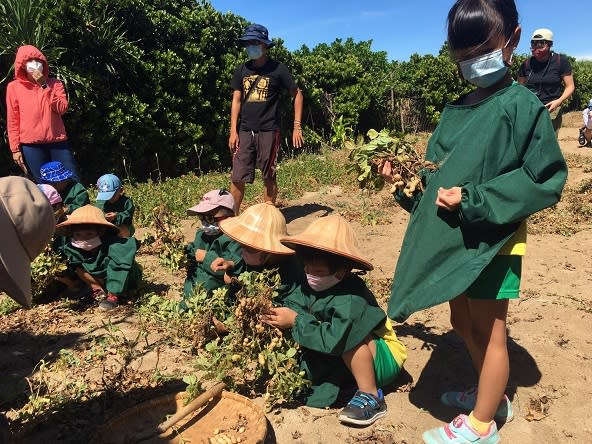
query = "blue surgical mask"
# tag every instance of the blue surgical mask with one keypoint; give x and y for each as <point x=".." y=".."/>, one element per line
<point x="486" y="70"/>
<point x="210" y="229"/>
<point x="254" y="51"/>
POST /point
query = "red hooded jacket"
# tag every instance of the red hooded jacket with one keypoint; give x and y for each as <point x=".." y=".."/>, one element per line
<point x="34" y="114"/>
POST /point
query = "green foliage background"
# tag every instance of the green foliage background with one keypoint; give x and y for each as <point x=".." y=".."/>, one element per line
<point x="148" y="83"/>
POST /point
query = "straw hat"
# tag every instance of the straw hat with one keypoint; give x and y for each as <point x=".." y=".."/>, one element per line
<point x="87" y="214"/>
<point x="332" y="234"/>
<point x="26" y="226"/>
<point x="259" y="226"/>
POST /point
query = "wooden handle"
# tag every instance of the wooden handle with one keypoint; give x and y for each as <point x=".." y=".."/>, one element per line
<point x="212" y="392"/>
<point x="192" y="406"/>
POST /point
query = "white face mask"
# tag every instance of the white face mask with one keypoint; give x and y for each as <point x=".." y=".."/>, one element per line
<point x="210" y="229"/>
<point x="88" y="244"/>
<point x="485" y="70"/>
<point x="34" y="65"/>
<point x="321" y="283"/>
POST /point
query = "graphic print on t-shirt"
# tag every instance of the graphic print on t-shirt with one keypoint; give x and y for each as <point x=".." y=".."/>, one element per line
<point x="260" y="92"/>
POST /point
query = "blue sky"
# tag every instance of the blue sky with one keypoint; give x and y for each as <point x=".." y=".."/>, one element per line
<point x="404" y="27"/>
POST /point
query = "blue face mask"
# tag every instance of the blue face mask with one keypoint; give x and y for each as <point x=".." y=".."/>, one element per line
<point x="254" y="51"/>
<point x="486" y="70"/>
<point x="210" y="229"/>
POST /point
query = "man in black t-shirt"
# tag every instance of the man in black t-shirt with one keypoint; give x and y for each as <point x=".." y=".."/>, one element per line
<point x="547" y="74"/>
<point x="256" y="87"/>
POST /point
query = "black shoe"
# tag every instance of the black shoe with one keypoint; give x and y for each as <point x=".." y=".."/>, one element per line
<point x="582" y="137"/>
<point x="363" y="409"/>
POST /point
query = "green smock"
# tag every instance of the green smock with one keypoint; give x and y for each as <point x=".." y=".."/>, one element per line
<point x="74" y="196"/>
<point x="124" y="207"/>
<point x="201" y="272"/>
<point x="113" y="261"/>
<point x="290" y="269"/>
<point x="503" y="152"/>
<point x="328" y="324"/>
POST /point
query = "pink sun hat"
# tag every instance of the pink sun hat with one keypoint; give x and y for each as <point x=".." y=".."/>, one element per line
<point x="51" y="193"/>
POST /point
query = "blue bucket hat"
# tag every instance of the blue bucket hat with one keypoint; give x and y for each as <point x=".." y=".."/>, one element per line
<point x="257" y="32"/>
<point x="108" y="184"/>
<point x="54" y="172"/>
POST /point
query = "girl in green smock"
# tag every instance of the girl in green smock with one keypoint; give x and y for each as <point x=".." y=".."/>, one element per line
<point x="210" y="243"/>
<point x="498" y="163"/>
<point x="100" y="258"/>
<point x="335" y="318"/>
<point x="258" y="230"/>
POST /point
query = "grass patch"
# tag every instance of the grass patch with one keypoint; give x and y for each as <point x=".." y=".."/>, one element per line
<point x="305" y="172"/>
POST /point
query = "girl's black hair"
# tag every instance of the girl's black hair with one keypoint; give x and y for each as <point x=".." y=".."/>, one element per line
<point x="472" y="23"/>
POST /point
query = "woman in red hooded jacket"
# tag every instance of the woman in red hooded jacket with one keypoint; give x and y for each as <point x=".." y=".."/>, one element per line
<point x="35" y="104"/>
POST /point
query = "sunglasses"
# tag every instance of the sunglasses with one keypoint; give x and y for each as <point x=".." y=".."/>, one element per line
<point x="538" y="43"/>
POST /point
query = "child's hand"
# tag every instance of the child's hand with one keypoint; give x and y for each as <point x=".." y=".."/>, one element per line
<point x="448" y="198"/>
<point x="200" y="255"/>
<point x="110" y="216"/>
<point x="280" y="317"/>
<point x="386" y="171"/>
<point x="221" y="264"/>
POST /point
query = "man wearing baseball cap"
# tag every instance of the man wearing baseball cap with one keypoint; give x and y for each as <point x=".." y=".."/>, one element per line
<point x="26" y="226"/>
<point x="254" y="140"/>
<point x="547" y="74"/>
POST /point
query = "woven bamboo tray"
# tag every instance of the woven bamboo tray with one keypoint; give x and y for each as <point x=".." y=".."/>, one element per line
<point x="231" y="415"/>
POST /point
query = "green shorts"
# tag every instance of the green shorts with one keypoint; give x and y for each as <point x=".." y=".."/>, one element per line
<point x="499" y="280"/>
<point x="386" y="368"/>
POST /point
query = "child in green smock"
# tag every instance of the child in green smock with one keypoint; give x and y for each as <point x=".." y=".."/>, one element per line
<point x="73" y="193"/>
<point x="117" y="207"/>
<point x="498" y="162"/>
<point x="258" y="230"/>
<point x="337" y="321"/>
<point x="100" y="258"/>
<point x="210" y="244"/>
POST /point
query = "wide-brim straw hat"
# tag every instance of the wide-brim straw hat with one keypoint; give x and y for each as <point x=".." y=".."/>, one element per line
<point x="331" y="234"/>
<point x="86" y="215"/>
<point x="260" y="226"/>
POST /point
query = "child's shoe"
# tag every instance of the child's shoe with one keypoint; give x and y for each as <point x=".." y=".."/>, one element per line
<point x="111" y="302"/>
<point x="460" y="431"/>
<point x="98" y="295"/>
<point x="466" y="400"/>
<point x="364" y="409"/>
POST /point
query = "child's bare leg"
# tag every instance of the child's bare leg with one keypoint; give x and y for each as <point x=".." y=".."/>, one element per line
<point x="460" y="319"/>
<point x="489" y="334"/>
<point x="360" y="361"/>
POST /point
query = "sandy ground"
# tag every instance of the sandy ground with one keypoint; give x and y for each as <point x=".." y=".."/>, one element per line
<point x="549" y="338"/>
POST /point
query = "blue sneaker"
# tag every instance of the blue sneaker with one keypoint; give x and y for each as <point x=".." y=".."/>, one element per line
<point x="459" y="431"/>
<point x="364" y="409"/>
<point x="466" y="400"/>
